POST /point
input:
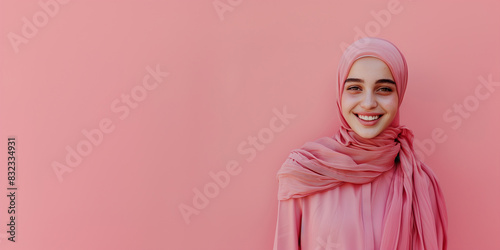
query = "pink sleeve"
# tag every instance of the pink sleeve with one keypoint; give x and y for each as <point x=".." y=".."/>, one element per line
<point x="288" y="226"/>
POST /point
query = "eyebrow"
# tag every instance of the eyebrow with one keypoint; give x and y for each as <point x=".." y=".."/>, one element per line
<point x="362" y="81"/>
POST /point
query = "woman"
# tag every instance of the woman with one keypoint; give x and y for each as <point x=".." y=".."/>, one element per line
<point x="364" y="188"/>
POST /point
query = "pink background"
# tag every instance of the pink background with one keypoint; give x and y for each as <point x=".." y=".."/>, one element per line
<point x="227" y="73"/>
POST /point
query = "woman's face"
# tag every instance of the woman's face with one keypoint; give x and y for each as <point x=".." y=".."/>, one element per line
<point x="370" y="98"/>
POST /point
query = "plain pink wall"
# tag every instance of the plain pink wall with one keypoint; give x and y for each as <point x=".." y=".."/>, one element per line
<point x="233" y="67"/>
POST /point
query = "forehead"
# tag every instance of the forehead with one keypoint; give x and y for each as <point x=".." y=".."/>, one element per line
<point x="370" y="68"/>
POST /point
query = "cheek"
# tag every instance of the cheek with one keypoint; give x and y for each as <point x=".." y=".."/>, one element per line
<point x="390" y="104"/>
<point x="346" y="104"/>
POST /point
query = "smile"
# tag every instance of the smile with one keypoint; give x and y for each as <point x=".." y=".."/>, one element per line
<point x="368" y="120"/>
<point x="369" y="117"/>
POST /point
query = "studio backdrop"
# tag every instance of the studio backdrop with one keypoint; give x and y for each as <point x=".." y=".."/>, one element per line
<point x="162" y="124"/>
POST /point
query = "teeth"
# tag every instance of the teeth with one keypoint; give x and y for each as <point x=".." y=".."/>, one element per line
<point x="368" y="117"/>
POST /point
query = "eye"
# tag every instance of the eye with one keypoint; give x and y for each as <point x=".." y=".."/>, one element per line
<point x="385" y="89"/>
<point x="353" y="88"/>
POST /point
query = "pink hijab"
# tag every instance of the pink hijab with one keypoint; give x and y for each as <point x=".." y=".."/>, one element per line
<point x="410" y="221"/>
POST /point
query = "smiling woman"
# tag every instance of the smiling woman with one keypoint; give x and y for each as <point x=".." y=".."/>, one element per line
<point x="363" y="188"/>
<point x="370" y="99"/>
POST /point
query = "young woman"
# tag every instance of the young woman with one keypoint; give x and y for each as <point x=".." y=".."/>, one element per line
<point x="363" y="188"/>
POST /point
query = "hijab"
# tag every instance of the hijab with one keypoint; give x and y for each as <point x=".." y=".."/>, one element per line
<point x="410" y="221"/>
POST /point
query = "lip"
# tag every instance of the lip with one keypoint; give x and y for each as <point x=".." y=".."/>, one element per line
<point x="369" y="114"/>
<point x="368" y="123"/>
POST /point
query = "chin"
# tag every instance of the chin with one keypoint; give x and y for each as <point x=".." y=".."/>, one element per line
<point x="367" y="133"/>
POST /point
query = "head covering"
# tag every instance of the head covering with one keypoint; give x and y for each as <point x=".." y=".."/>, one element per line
<point x="411" y="221"/>
<point x="382" y="50"/>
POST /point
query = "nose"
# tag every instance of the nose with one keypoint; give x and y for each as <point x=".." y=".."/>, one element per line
<point x="369" y="101"/>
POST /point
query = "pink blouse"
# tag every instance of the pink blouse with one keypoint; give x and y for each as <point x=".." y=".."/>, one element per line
<point x="348" y="217"/>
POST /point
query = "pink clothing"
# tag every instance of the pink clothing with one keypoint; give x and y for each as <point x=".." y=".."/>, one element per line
<point x="348" y="192"/>
<point x="347" y="217"/>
